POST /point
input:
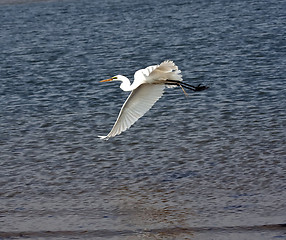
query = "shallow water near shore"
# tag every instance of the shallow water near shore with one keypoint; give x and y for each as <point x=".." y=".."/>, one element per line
<point x="208" y="166"/>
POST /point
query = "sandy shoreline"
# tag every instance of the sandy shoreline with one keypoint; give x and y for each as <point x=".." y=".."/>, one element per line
<point x="272" y="229"/>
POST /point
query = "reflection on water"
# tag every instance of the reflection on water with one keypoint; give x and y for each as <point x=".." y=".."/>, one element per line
<point x="145" y="208"/>
<point x="152" y="209"/>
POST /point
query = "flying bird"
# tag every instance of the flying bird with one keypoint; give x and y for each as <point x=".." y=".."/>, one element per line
<point x="148" y="86"/>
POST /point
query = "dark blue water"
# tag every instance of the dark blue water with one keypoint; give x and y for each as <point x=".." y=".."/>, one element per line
<point x="210" y="166"/>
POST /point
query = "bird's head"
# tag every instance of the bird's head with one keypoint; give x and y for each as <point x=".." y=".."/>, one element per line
<point x="115" y="78"/>
<point x="125" y="83"/>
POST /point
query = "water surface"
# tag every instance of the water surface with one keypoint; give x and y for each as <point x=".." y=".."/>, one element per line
<point x="209" y="166"/>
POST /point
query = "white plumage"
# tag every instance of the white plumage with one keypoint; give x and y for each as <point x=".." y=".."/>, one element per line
<point x="147" y="88"/>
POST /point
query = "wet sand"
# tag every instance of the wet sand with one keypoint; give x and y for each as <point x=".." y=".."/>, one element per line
<point x="275" y="231"/>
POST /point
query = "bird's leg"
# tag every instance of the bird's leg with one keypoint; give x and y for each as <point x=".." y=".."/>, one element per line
<point x="176" y="82"/>
<point x="183" y="90"/>
<point x="195" y="88"/>
<point x="200" y="88"/>
<point x="179" y="84"/>
<point x="189" y="86"/>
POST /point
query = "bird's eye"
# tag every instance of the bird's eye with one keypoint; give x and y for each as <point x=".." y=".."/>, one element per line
<point x="114" y="77"/>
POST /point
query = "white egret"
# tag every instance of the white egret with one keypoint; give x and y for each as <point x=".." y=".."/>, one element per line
<point x="147" y="88"/>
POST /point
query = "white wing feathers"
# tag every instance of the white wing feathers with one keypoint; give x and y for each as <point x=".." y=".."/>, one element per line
<point x="148" y="85"/>
<point x="136" y="105"/>
<point x="158" y="73"/>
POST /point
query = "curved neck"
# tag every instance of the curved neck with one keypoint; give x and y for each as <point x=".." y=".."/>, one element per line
<point x="125" y="85"/>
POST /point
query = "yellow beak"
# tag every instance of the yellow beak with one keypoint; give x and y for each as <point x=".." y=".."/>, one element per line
<point x="106" y="80"/>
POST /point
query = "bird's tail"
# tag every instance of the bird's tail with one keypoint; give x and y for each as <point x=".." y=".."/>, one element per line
<point x="175" y="75"/>
<point x="170" y="70"/>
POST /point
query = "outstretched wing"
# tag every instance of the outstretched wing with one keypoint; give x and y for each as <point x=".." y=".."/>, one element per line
<point x="136" y="105"/>
<point x="167" y="70"/>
